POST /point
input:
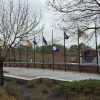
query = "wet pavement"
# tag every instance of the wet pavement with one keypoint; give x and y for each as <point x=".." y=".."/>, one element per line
<point x="31" y="73"/>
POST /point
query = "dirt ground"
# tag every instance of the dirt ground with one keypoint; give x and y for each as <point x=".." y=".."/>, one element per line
<point x="40" y="89"/>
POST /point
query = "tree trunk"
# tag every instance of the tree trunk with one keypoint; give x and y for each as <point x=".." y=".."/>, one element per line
<point x="1" y="72"/>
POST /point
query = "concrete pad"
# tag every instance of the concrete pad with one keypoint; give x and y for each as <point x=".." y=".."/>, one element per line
<point x="31" y="73"/>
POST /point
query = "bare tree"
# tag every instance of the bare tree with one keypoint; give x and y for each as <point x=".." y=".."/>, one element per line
<point x="79" y="16"/>
<point x="81" y="13"/>
<point x="16" y="23"/>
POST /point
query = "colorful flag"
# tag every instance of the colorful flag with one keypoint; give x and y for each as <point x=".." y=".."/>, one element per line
<point x="44" y="41"/>
<point x="28" y="44"/>
<point x="55" y="49"/>
<point x="66" y="36"/>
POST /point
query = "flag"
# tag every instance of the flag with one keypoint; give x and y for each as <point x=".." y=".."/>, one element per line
<point x="82" y="34"/>
<point x="66" y="36"/>
<point x="44" y="41"/>
<point x="34" y="41"/>
<point x="55" y="49"/>
<point x="28" y="44"/>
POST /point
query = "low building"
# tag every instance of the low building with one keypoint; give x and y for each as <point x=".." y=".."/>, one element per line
<point x="89" y="56"/>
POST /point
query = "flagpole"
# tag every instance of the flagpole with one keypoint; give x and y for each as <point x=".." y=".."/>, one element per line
<point x="8" y="60"/>
<point x="52" y="52"/>
<point x="14" y="56"/>
<point x="78" y="48"/>
<point x="1" y="69"/>
<point x="27" y="55"/>
<point x="34" y="51"/>
<point x="42" y="52"/>
<point x="96" y="49"/>
<point x="9" y="56"/>
<point x="19" y="54"/>
<point x="64" y="52"/>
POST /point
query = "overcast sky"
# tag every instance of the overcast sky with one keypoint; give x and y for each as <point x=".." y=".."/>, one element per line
<point x="49" y="21"/>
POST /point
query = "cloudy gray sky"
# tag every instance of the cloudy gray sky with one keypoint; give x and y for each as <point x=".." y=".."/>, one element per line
<point x="49" y="22"/>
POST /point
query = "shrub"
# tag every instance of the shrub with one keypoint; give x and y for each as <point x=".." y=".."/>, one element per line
<point x="13" y="89"/>
<point x="30" y="84"/>
<point x="4" y="95"/>
<point x="85" y="86"/>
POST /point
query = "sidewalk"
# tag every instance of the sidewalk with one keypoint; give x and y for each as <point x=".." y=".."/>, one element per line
<point x="30" y="74"/>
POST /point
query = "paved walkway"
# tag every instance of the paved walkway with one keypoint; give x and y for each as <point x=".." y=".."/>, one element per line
<point x="30" y="74"/>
